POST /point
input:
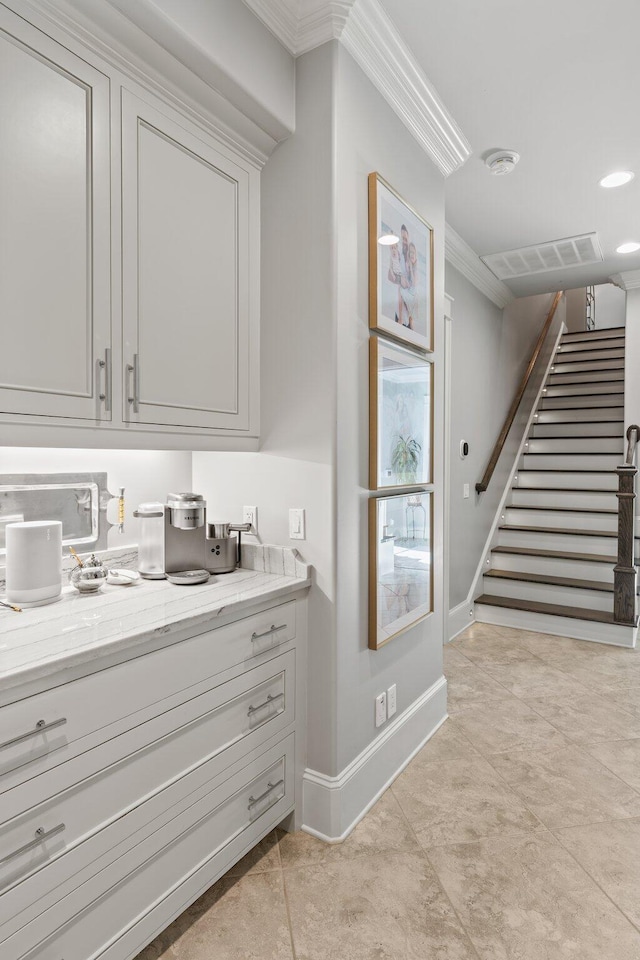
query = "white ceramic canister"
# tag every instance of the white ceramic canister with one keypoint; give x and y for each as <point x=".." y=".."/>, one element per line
<point x="34" y="562"/>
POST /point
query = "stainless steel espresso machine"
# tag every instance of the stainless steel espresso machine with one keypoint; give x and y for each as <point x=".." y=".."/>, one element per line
<point x="176" y="541"/>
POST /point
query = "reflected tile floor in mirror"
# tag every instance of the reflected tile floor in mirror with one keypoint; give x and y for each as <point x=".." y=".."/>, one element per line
<point x="513" y="835"/>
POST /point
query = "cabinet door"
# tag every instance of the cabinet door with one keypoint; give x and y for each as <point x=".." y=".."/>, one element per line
<point x="187" y="274"/>
<point x="54" y="228"/>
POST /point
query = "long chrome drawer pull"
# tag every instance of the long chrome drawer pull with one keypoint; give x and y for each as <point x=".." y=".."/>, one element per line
<point x="270" y="699"/>
<point x="263" y="796"/>
<point x="41" y="727"/>
<point x="41" y="836"/>
<point x="272" y="629"/>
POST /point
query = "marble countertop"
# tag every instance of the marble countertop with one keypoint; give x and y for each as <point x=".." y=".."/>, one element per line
<point x="79" y="628"/>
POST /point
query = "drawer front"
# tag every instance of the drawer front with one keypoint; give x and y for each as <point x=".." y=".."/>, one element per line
<point x="195" y="847"/>
<point x="242" y="712"/>
<point x="50" y="728"/>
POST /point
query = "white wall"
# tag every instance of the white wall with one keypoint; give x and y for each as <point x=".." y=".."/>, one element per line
<point x="490" y="351"/>
<point x="145" y="475"/>
<point x="315" y="391"/>
<point x="371" y="138"/>
<point x="298" y="408"/>
<point x="611" y="305"/>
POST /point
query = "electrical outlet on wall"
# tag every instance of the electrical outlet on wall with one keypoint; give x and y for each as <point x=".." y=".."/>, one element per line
<point x="250" y="515"/>
<point x="392" y="700"/>
<point x="381" y="709"/>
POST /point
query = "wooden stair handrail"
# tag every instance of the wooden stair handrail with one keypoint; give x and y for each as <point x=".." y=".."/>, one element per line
<point x="624" y="572"/>
<point x="500" y="442"/>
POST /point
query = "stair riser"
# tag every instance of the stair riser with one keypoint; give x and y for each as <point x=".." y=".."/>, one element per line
<point x="561" y="519"/>
<point x="572" y="461"/>
<point x="566" y="478"/>
<point x="589" y="336"/>
<point x="604" y="353"/>
<point x="558" y="541"/>
<point x="575" y="445"/>
<point x="599" y="428"/>
<point x="580" y="415"/>
<point x="596" y="376"/>
<point x="612" y="634"/>
<point x="553" y="567"/>
<point x="581" y="366"/>
<point x="548" y="593"/>
<point x="580" y="401"/>
<point x="521" y="497"/>
<point x="612" y="343"/>
<point x="582" y="389"/>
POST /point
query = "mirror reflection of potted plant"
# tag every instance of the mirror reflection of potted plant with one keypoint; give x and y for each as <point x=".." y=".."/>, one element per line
<point x="405" y="459"/>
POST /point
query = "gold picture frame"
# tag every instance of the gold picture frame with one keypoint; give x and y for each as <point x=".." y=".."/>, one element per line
<point x="400" y="564"/>
<point x="400" y="268"/>
<point x="400" y="416"/>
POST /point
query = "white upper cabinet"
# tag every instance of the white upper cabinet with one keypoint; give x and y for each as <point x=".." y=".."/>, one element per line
<point x="187" y="264"/>
<point x="129" y="253"/>
<point x="54" y="228"/>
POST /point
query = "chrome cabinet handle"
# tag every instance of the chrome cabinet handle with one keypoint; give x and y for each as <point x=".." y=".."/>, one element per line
<point x="263" y="796"/>
<point x="106" y="366"/>
<point x="40" y="837"/>
<point x="270" y="699"/>
<point x="133" y="398"/>
<point x="272" y="629"/>
<point x="40" y="727"/>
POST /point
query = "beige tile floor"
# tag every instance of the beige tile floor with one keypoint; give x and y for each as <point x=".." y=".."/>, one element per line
<point x="513" y="835"/>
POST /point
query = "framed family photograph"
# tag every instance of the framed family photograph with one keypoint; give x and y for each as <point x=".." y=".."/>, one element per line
<point x="400" y="416"/>
<point x="400" y="564"/>
<point x="400" y="268"/>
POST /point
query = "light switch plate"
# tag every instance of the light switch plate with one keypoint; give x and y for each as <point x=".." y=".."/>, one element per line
<point x="296" y="524"/>
<point x="465" y="491"/>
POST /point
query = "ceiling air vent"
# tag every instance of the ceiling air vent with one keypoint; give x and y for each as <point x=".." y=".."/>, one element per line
<point x="542" y="257"/>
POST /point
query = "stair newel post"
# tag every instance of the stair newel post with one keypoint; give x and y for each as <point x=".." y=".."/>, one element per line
<point x="624" y="583"/>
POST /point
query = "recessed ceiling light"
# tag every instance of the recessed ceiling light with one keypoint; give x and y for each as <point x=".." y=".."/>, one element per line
<point x="617" y="179"/>
<point x="388" y="239"/>
<point x="628" y="247"/>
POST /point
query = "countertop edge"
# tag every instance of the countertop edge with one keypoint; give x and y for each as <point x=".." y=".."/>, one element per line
<point x="113" y="650"/>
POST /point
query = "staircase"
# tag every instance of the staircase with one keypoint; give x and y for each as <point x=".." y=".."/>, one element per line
<point x="551" y="569"/>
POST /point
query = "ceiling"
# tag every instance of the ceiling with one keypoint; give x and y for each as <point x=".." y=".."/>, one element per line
<point x="557" y="81"/>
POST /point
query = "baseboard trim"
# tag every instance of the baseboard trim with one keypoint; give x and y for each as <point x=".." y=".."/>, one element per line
<point x="460" y="618"/>
<point x="333" y="806"/>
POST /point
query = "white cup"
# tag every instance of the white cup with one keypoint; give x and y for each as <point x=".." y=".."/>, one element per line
<point x="34" y="562"/>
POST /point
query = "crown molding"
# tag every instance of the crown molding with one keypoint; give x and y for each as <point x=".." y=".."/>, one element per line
<point x="373" y="41"/>
<point x="629" y="280"/>
<point x="463" y="258"/>
<point x="302" y="25"/>
<point x="321" y="20"/>
<point x="365" y="30"/>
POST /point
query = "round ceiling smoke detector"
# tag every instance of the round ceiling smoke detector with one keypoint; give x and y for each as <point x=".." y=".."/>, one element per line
<point x="502" y="162"/>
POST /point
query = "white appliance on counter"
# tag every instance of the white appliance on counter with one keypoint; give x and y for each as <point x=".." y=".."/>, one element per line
<point x="34" y="562"/>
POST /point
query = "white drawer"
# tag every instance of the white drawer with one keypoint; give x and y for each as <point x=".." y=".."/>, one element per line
<point x="75" y="825"/>
<point x="48" y="729"/>
<point x="193" y="850"/>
